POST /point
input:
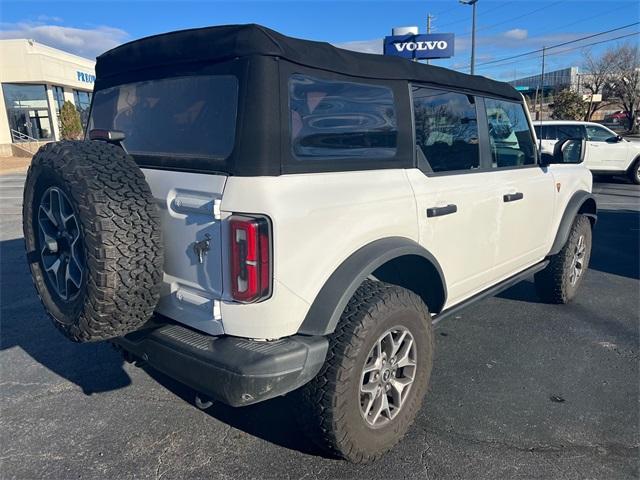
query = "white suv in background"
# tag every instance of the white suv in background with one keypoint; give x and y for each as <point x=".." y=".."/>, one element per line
<point x="606" y="152"/>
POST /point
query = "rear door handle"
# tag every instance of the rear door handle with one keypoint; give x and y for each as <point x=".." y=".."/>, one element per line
<point x="512" y="197"/>
<point x="439" y="211"/>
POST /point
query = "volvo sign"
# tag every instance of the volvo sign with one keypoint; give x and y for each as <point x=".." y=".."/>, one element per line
<point x="431" y="45"/>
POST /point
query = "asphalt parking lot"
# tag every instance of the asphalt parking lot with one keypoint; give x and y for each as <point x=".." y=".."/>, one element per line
<point x="520" y="389"/>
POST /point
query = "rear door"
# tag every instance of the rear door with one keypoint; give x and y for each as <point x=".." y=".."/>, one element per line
<point x="456" y="203"/>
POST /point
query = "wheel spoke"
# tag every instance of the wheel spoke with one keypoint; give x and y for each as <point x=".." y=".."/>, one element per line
<point x="382" y="406"/>
<point x="74" y="272"/>
<point x="54" y="267"/>
<point x="398" y="343"/>
<point x="60" y="243"/>
<point x="369" y="388"/>
<point x="46" y="221"/>
<point x="367" y="408"/>
<point x="399" y="385"/>
<point x="376" y="355"/>
<point x="403" y="359"/>
<point x="54" y="206"/>
<point x="387" y="344"/>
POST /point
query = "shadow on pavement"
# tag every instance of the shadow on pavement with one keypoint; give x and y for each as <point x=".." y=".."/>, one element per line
<point x="272" y="420"/>
<point x="616" y="238"/>
<point x="97" y="367"/>
<point x="615" y="250"/>
<point x="23" y="323"/>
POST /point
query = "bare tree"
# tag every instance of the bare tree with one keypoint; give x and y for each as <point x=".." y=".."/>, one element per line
<point x="598" y="72"/>
<point x="626" y="81"/>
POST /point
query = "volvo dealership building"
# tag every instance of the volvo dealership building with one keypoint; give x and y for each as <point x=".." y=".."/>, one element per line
<point x="36" y="80"/>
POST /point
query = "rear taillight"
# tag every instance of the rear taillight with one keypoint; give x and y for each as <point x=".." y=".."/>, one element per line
<point x="250" y="258"/>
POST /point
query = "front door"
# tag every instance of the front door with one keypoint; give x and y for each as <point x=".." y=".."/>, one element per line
<point x="31" y="122"/>
<point x="604" y="151"/>
<point x="524" y="192"/>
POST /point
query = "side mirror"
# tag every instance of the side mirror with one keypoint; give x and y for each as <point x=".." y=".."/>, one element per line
<point x="569" y="150"/>
<point x="615" y="139"/>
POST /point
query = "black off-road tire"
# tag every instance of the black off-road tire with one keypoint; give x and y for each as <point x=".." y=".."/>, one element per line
<point x="553" y="284"/>
<point x="120" y="236"/>
<point x="328" y="408"/>
<point x="634" y="172"/>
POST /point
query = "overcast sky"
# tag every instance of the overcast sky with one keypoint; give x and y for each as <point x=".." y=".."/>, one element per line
<point x="504" y="28"/>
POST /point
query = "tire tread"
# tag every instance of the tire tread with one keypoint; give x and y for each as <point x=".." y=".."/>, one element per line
<point x="121" y="230"/>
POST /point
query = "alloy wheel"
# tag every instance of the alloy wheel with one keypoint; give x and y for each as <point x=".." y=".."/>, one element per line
<point x="577" y="262"/>
<point x="387" y="376"/>
<point x="61" y="249"/>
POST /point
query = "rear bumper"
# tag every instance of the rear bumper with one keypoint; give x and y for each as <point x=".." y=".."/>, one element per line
<point x="232" y="370"/>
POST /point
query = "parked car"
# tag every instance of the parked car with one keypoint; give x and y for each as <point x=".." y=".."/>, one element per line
<point x="253" y="215"/>
<point x="607" y="153"/>
<point x="619" y="120"/>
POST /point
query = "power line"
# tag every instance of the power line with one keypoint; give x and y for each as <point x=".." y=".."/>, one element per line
<point x="593" y="43"/>
<point x="484" y="12"/>
<point x="487" y="27"/>
<point x="567" y="49"/>
<point x="520" y="55"/>
<point x="442" y="11"/>
<point x="562" y="27"/>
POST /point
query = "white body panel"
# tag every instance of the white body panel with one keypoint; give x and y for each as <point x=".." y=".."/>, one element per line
<point x="191" y="290"/>
<point x="524" y="232"/>
<point x="464" y="243"/>
<point x="320" y="219"/>
<point x="570" y="178"/>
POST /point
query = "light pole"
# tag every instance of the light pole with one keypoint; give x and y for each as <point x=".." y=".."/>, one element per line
<point x="473" y="32"/>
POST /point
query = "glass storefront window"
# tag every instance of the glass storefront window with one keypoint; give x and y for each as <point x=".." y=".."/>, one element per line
<point x="27" y="111"/>
<point x="83" y="102"/>
<point x="58" y="95"/>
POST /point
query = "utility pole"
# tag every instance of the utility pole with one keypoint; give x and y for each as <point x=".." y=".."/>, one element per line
<point x="429" y="18"/>
<point x="473" y="32"/>
<point x="544" y="50"/>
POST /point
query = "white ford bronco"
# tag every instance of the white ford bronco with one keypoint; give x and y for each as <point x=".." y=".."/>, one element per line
<point x="255" y="215"/>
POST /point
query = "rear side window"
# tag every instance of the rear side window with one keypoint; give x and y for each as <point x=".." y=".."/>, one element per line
<point x="446" y="130"/>
<point x="510" y="136"/>
<point x="191" y="116"/>
<point x="546" y="132"/>
<point x="330" y="118"/>
<point x="569" y="131"/>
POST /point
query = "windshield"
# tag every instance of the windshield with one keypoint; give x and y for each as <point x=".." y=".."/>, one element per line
<point x="191" y="116"/>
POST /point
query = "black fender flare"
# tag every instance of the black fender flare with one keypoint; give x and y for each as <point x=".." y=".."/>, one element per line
<point x="577" y="201"/>
<point x="326" y="309"/>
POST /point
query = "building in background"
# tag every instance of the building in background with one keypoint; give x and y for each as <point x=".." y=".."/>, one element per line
<point x="36" y="80"/>
<point x="558" y="80"/>
<point x="554" y="81"/>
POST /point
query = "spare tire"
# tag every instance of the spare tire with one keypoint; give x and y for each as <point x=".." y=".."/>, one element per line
<point x="93" y="239"/>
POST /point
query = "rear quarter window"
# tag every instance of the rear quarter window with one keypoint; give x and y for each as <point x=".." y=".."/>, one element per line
<point x="192" y="116"/>
<point x="332" y="119"/>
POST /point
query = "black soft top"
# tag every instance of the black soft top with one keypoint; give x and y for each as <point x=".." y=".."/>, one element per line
<point x="215" y="44"/>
